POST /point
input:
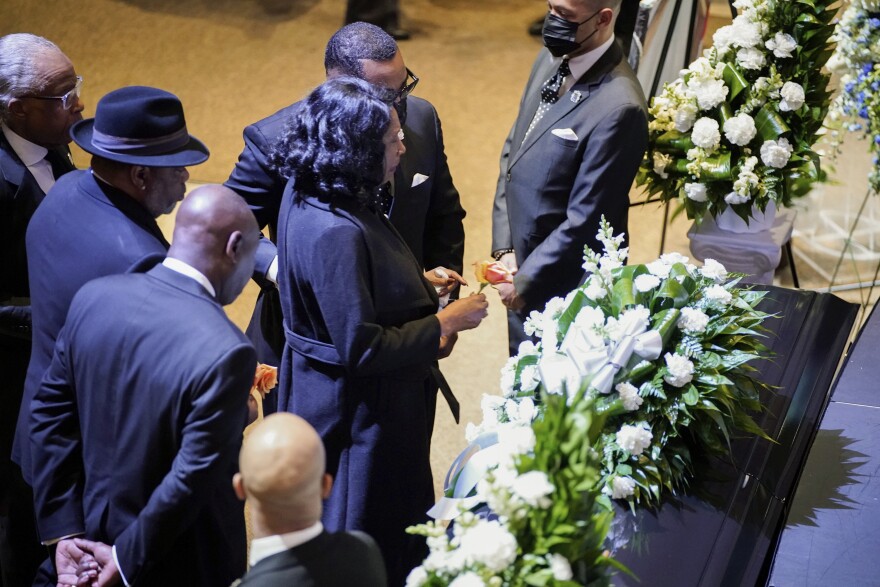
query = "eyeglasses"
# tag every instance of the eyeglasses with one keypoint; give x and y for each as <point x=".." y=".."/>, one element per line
<point x="409" y="84"/>
<point x="69" y="99"/>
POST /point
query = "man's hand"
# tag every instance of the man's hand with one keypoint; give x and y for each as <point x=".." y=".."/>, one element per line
<point x="74" y="565"/>
<point x="108" y="573"/>
<point x="446" y="345"/>
<point x="464" y="314"/>
<point x="445" y="280"/>
<point x="509" y="296"/>
<point x="509" y="260"/>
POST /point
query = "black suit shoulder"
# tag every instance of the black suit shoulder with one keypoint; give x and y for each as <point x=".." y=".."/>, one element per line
<point x="342" y="559"/>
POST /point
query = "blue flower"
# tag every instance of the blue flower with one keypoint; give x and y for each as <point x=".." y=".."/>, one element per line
<point x="866" y="68"/>
<point x="849" y="87"/>
<point x="877" y="139"/>
<point x="874" y="22"/>
<point x="863" y="112"/>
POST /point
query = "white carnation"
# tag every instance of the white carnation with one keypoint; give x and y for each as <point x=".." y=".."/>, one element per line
<point x="709" y="93"/>
<point x="724" y="38"/>
<point x="685" y="116"/>
<point x="706" y="133"/>
<point x="750" y="58"/>
<point x="645" y="283"/>
<point x="629" y="396"/>
<point x="681" y="370"/>
<point x="793" y="97"/>
<point x="417" y="577"/>
<point x="490" y="404"/>
<point x="594" y="290"/>
<point x="532" y="324"/>
<point x="693" y="320"/>
<point x="696" y="192"/>
<point x="622" y="487"/>
<point x="490" y="544"/>
<point x="659" y="268"/>
<point x="740" y="129"/>
<point x="746" y="33"/>
<point x="717" y="294"/>
<point x="534" y="488"/>
<point x="734" y="198"/>
<point x="560" y="567"/>
<point x="526" y="347"/>
<point x="633" y="439"/>
<point x="469" y="579"/>
<point x="632" y="321"/>
<point x="776" y="153"/>
<point x="529" y="378"/>
<point x="508" y="376"/>
<point x="673" y="258"/>
<point x="712" y="269"/>
<point x="782" y="45"/>
<point x="515" y="440"/>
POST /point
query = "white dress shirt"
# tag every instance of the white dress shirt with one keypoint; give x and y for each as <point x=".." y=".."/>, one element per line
<point x="34" y="158"/>
<point x="582" y="63"/>
<point x="191" y="272"/>
<point x="265" y="547"/>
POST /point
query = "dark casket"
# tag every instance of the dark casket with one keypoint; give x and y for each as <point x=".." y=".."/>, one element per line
<point x="725" y="530"/>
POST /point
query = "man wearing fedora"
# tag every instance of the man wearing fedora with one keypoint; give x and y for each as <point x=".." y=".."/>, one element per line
<point x="101" y="220"/>
<point x="39" y="102"/>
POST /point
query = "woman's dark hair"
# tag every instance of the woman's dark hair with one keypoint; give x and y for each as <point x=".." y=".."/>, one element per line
<point x="332" y="146"/>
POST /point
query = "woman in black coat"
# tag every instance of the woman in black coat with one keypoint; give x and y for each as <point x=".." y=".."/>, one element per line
<point x="361" y="321"/>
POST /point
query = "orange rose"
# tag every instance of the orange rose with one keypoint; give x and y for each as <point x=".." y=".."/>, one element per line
<point x="492" y="273"/>
<point x="265" y="379"/>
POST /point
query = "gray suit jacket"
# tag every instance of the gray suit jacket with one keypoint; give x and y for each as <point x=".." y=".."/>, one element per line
<point x="553" y="190"/>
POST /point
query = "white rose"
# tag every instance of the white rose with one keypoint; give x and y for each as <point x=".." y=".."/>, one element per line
<point x="629" y="396"/>
<point x="534" y="488"/>
<point x="685" y="116"/>
<point x="750" y="58"/>
<point x="782" y="45"/>
<point x="659" y="268"/>
<point x="706" y="133"/>
<point x="634" y="439"/>
<point x="793" y="97"/>
<point x="469" y="579"/>
<point x="560" y="567"/>
<point x="661" y="160"/>
<point x="712" y="269"/>
<point x="693" y="320"/>
<point x="417" y="577"/>
<point x="718" y="294"/>
<point x="740" y="129"/>
<point x="681" y="370"/>
<point x="735" y="198"/>
<point x="490" y="544"/>
<point x="622" y="487"/>
<point x="696" y="192"/>
<point x="776" y="153"/>
<point x="646" y="283"/>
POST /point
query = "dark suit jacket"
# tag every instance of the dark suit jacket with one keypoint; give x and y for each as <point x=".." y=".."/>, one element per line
<point x="83" y="229"/>
<point x="552" y="191"/>
<point x="344" y="559"/>
<point x="363" y="336"/>
<point x="20" y="194"/>
<point x="428" y="216"/>
<point x="135" y="429"/>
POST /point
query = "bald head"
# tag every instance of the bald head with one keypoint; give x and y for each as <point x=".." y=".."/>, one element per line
<point x="282" y="472"/>
<point x="217" y="233"/>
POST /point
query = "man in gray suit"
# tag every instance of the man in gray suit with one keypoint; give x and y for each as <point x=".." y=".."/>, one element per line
<point x="570" y="157"/>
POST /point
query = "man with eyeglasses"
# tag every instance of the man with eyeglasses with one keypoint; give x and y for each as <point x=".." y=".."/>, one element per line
<point x="39" y="92"/>
<point x="422" y="203"/>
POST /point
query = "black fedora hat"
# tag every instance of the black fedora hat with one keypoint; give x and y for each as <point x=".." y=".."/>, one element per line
<point x="139" y="125"/>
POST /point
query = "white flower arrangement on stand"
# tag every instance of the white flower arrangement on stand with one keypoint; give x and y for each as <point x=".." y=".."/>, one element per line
<point x="737" y="128"/>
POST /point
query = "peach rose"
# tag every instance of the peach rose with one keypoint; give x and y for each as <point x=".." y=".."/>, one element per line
<point x="492" y="273"/>
<point x="265" y="379"/>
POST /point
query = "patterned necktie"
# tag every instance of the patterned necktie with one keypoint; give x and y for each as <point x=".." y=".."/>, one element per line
<point x="549" y="94"/>
<point x="59" y="162"/>
<point x="384" y="198"/>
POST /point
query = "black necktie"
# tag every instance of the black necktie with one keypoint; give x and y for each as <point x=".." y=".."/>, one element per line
<point x="60" y="163"/>
<point x="550" y="93"/>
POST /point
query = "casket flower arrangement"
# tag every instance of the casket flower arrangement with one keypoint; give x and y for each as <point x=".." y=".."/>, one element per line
<point x="857" y="58"/>
<point x="737" y="128"/>
<point x="549" y="517"/>
<point x="664" y="348"/>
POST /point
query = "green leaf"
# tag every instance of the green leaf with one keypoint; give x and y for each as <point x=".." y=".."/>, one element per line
<point x="769" y="124"/>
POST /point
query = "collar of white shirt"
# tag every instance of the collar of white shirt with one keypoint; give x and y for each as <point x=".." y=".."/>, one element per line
<point x="264" y="547"/>
<point x="189" y="271"/>
<point x="582" y="63"/>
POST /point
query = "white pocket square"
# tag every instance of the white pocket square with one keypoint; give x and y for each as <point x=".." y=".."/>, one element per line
<point x="565" y="133"/>
<point x="419" y="179"/>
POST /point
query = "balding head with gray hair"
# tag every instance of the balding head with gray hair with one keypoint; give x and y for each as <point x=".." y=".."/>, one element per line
<point x="19" y="67"/>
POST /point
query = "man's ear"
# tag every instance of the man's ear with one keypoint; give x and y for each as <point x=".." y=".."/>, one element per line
<point x="238" y="486"/>
<point x="139" y="175"/>
<point x="234" y="244"/>
<point x="17" y="108"/>
<point x="326" y="485"/>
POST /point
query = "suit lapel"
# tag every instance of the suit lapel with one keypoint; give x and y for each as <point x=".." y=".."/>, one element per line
<point x="531" y="99"/>
<point x="567" y="102"/>
<point x="15" y="172"/>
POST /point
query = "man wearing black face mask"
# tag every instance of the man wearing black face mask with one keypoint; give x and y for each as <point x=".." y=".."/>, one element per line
<point x="422" y="201"/>
<point x="570" y="157"/>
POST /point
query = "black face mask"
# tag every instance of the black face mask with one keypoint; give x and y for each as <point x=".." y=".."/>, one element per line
<point x="559" y="34"/>
<point x="400" y="106"/>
